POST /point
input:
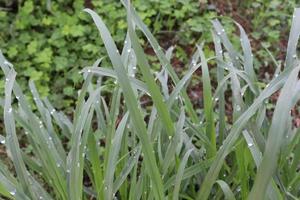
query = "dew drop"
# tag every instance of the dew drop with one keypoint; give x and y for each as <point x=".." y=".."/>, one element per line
<point x="218" y="33"/>
<point x="58" y="165"/>
<point x="68" y="171"/>
<point x="40" y="197"/>
<point x="129" y="50"/>
<point x="250" y="144"/>
<point x="220" y="51"/>
<point x="88" y="71"/>
<point x="223" y="30"/>
<point x="238" y="108"/>
<point x="78" y="164"/>
<point x="9" y="110"/>
<point x="267" y="85"/>
<point x="132" y="75"/>
<point x="2" y="141"/>
<point x="17" y="97"/>
<point x="170" y="137"/>
<point x="6" y="79"/>
<point x="13" y="192"/>
<point x="134" y="68"/>
<point x="295" y="56"/>
<point x="52" y="111"/>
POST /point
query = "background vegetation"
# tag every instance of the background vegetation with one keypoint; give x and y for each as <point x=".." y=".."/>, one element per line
<point x="135" y="118"/>
<point x="52" y="40"/>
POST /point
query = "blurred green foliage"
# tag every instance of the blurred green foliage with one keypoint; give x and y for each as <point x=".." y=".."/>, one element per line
<point x="50" y="41"/>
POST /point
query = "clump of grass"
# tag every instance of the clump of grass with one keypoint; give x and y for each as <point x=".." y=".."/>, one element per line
<point x="108" y="150"/>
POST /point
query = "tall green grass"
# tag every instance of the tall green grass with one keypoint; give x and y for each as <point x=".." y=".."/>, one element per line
<point x="118" y="148"/>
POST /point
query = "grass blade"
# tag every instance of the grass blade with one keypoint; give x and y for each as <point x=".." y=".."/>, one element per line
<point x="112" y="157"/>
<point x="180" y="174"/>
<point x="163" y="60"/>
<point x="291" y="55"/>
<point x="131" y="102"/>
<point x="239" y="124"/>
<point x="221" y="95"/>
<point x="226" y="190"/>
<point x="208" y="105"/>
<point x="275" y="137"/>
<point x="11" y="137"/>
<point x="154" y="90"/>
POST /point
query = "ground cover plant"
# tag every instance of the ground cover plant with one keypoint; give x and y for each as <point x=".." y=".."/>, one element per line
<point x="53" y="39"/>
<point x="58" y="39"/>
<point x="125" y="149"/>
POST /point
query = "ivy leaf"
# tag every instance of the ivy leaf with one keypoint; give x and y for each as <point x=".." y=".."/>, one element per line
<point x="68" y="91"/>
<point x="73" y="30"/>
<point x="60" y="63"/>
<point x="77" y="30"/>
<point x="33" y="74"/>
<point x="47" y="21"/>
<point x="12" y="51"/>
<point x="90" y="48"/>
<point x="32" y="47"/>
<point x="28" y="7"/>
<point x="44" y="56"/>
